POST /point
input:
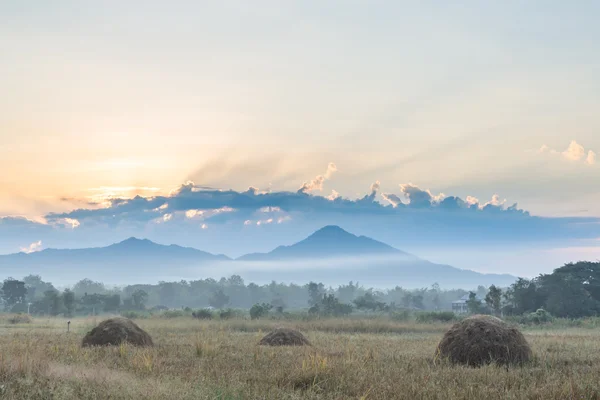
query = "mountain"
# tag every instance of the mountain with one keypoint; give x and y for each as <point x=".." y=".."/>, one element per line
<point x="129" y="248"/>
<point x="328" y="242"/>
<point x="122" y="262"/>
<point x="330" y="255"/>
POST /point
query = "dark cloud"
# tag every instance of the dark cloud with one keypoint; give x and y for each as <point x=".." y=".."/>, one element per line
<point x="191" y="197"/>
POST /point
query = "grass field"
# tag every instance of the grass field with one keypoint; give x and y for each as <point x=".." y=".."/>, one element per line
<point x="349" y="359"/>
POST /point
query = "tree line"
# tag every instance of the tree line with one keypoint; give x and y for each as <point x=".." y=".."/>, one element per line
<point x="32" y="294"/>
<point x="570" y="291"/>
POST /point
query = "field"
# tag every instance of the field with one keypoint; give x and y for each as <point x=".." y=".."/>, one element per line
<point x="349" y="359"/>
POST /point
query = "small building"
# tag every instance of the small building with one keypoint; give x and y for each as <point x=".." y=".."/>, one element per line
<point x="460" y="306"/>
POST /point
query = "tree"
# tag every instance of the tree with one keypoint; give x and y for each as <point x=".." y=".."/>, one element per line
<point x="53" y="302"/>
<point x="494" y="299"/>
<point x="259" y="310"/>
<point x="523" y="297"/>
<point x="435" y="300"/>
<point x="407" y="300"/>
<point x="278" y="303"/>
<point x="331" y="306"/>
<point x="36" y="287"/>
<point x="112" y="302"/>
<point x="88" y="286"/>
<point x="571" y="291"/>
<point x="13" y="292"/>
<point x="347" y="293"/>
<point x="68" y="299"/>
<point x="368" y="301"/>
<point x="219" y="299"/>
<point x="417" y="301"/>
<point x="473" y="304"/>
<point x="139" y="298"/>
<point x="315" y="292"/>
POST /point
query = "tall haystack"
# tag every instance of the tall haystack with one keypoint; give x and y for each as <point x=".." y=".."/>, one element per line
<point x="284" y="337"/>
<point x="483" y="339"/>
<point x="114" y="331"/>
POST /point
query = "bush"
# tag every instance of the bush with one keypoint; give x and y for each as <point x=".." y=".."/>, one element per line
<point x="436" y="316"/>
<point x="400" y="315"/>
<point x="19" y="319"/>
<point x="172" y="314"/>
<point x="202" y="314"/>
<point x="259" y="310"/>
<point x="541" y="316"/>
<point x="19" y="308"/>
<point x="226" y="314"/>
<point x="133" y="314"/>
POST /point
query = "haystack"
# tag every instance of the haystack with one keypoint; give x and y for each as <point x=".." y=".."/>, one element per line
<point x="114" y="331"/>
<point x="483" y="339"/>
<point x="284" y="337"/>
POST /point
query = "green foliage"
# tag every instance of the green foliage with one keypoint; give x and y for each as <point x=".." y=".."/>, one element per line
<point x="435" y="316"/>
<point x="133" y="314"/>
<point x="87" y="286"/>
<point x="36" y="287"/>
<point x="19" y="319"/>
<point x="53" y="301"/>
<point x="538" y="317"/>
<point x="494" y="299"/>
<point x="139" y="298"/>
<point x="69" y="302"/>
<point x="330" y="306"/>
<point x="370" y="301"/>
<point x="13" y="292"/>
<point x="523" y="297"/>
<point x="203" y="314"/>
<point x="260" y="310"/>
<point x="172" y="314"/>
<point x="219" y="299"/>
<point x="19" y="308"/>
<point x="400" y="315"/>
<point x="227" y="314"/>
<point x="473" y="304"/>
<point x="315" y="293"/>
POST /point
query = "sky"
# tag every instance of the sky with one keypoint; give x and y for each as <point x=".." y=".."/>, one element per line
<point x="104" y="101"/>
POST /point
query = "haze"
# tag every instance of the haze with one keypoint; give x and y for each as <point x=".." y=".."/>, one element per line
<point x="417" y="124"/>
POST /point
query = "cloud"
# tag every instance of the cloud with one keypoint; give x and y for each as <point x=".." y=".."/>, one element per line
<point x="375" y="187"/>
<point x="331" y="168"/>
<point x="591" y="158"/>
<point x="192" y="202"/>
<point x="33" y="247"/>
<point x="496" y="202"/>
<point x="270" y="209"/>
<point x="334" y="195"/>
<point x="283" y="219"/>
<point x="418" y="198"/>
<point x="317" y="183"/>
<point x="470" y="200"/>
<point x="391" y="198"/>
<point x="575" y="153"/>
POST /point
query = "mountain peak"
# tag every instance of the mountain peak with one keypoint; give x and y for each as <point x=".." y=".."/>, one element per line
<point x="331" y="231"/>
<point x="133" y="241"/>
<point x="328" y="242"/>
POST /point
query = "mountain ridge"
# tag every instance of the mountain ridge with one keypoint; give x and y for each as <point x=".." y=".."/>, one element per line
<point x="325" y="255"/>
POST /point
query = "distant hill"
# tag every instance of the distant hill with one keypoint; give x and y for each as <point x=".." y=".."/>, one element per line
<point x="122" y="262"/>
<point x="330" y="255"/>
<point x="130" y="248"/>
<point x="328" y="242"/>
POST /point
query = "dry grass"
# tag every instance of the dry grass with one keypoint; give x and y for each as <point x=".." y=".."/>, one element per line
<point x="221" y="360"/>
